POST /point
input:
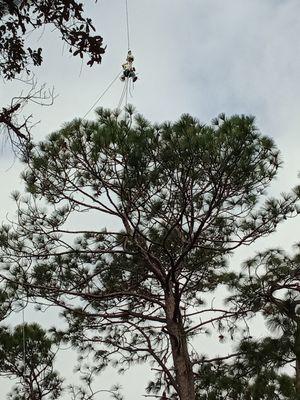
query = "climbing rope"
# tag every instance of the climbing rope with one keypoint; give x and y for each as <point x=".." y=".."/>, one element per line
<point x="127" y="25"/>
<point x="101" y="95"/>
<point x="126" y="87"/>
<point x="128" y="47"/>
<point x="126" y="95"/>
<point x="122" y="95"/>
<point x="24" y="340"/>
<point x="131" y="88"/>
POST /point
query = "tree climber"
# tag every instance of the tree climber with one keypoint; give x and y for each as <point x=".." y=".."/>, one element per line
<point x="128" y="68"/>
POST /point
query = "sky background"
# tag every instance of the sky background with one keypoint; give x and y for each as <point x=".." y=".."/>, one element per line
<point x="201" y="57"/>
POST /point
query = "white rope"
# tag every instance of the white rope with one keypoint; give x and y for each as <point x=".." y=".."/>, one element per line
<point x="125" y="89"/>
<point x="101" y="95"/>
<point x="131" y="88"/>
<point x="122" y="95"/>
<point x="24" y="340"/>
<point x="127" y="25"/>
<point x="126" y="95"/>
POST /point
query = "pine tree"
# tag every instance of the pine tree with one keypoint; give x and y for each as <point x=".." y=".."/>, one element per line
<point x="254" y="372"/>
<point x="167" y="204"/>
<point x="27" y="355"/>
<point x="270" y="286"/>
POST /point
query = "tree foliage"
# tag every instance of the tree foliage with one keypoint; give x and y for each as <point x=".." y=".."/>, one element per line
<point x="17" y="19"/>
<point x="180" y="197"/>
<point x="27" y="355"/>
<point x="254" y="372"/>
<point x="269" y="285"/>
<point x="20" y="16"/>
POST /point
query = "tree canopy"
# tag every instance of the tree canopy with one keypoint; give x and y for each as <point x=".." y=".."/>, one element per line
<point x="164" y="206"/>
<point x="30" y="362"/>
<point x="17" y="57"/>
<point x="269" y="284"/>
<point x="19" y="17"/>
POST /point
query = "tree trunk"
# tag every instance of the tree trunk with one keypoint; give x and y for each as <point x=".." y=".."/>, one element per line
<point x="181" y="359"/>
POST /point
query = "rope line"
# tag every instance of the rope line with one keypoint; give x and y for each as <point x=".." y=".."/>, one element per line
<point x="126" y="86"/>
<point x="127" y="25"/>
<point x="131" y="88"/>
<point x="126" y="95"/>
<point x="122" y="96"/>
<point x="24" y="340"/>
<point x="101" y="95"/>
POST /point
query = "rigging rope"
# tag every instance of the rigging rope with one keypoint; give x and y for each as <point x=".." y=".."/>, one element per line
<point x="127" y="25"/>
<point x="131" y="88"/>
<point x="101" y="95"/>
<point x="122" y="95"/>
<point x="126" y="86"/>
<point x="128" y="46"/>
<point x="126" y="95"/>
<point x="24" y="340"/>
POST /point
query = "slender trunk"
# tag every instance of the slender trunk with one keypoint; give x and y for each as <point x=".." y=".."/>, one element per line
<point x="181" y="359"/>
<point x="297" y="354"/>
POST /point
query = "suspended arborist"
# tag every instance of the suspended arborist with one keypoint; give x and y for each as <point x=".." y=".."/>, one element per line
<point x="128" y="68"/>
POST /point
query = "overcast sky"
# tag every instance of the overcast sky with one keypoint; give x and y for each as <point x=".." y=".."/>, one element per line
<point x="201" y="57"/>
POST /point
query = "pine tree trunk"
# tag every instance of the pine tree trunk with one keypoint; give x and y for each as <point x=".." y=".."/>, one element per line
<point x="182" y="363"/>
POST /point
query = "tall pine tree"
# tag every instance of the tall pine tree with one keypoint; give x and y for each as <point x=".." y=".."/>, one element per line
<point x="162" y="206"/>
